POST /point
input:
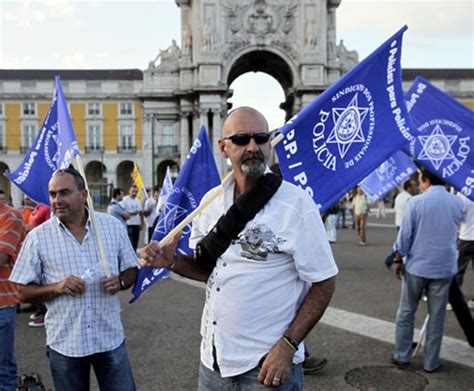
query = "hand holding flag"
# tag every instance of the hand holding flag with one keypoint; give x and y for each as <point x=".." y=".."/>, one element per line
<point x="198" y="175"/>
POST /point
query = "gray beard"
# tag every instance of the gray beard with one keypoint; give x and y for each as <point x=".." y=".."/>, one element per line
<point x="253" y="168"/>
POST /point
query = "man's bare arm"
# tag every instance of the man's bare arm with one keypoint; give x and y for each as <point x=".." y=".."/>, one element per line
<point x="184" y="265"/>
<point x="278" y="362"/>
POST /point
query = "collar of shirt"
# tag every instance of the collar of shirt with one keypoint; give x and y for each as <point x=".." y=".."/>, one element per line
<point x="88" y="225"/>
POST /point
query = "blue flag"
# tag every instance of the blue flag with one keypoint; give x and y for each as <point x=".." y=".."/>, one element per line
<point x="198" y="175"/>
<point x="443" y="137"/>
<point x="54" y="148"/>
<point x="397" y="169"/>
<point x="350" y="129"/>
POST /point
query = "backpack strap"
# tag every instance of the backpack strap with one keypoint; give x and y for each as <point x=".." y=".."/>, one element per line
<point x="231" y="223"/>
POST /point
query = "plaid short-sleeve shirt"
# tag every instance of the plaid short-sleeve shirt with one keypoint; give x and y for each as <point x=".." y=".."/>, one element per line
<point x="89" y="323"/>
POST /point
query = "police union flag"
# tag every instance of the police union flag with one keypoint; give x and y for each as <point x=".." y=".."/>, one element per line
<point x="350" y="129"/>
<point x="443" y="138"/>
<point x="198" y="175"/>
<point x="397" y="169"/>
<point x="54" y="148"/>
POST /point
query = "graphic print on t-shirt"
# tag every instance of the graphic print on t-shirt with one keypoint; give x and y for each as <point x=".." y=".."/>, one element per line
<point x="257" y="241"/>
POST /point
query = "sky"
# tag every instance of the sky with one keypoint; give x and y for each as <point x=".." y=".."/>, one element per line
<point x="93" y="34"/>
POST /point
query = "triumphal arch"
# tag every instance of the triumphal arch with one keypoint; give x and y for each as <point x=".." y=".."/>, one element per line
<point x="187" y="85"/>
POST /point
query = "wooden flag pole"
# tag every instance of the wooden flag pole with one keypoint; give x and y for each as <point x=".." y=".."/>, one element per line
<point x="204" y="205"/>
<point x="90" y="204"/>
<point x="422" y="335"/>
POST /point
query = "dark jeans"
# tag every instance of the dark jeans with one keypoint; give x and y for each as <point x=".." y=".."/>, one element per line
<point x="341" y="218"/>
<point x="134" y="235"/>
<point x="462" y="311"/>
<point x="112" y="370"/>
<point x="8" y="371"/>
<point x="466" y="256"/>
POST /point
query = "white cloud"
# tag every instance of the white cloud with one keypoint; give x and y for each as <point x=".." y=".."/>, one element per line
<point x="30" y="14"/>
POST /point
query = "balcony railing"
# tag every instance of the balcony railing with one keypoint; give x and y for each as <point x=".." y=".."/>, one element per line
<point x="127" y="149"/>
<point x="94" y="149"/>
<point x="167" y="150"/>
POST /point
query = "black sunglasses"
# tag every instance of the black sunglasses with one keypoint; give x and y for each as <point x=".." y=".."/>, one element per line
<point x="244" y="138"/>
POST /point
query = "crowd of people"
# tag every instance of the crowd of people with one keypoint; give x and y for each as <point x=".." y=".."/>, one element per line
<point x="270" y="271"/>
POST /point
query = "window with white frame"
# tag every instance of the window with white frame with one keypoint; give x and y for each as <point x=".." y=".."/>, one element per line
<point x="29" y="108"/>
<point x="94" y="137"/>
<point x="28" y="136"/>
<point x="93" y="109"/>
<point x="126" y="109"/>
<point x="127" y="136"/>
<point x="167" y="137"/>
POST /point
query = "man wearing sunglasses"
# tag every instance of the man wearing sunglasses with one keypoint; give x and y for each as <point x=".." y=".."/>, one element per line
<point x="271" y="281"/>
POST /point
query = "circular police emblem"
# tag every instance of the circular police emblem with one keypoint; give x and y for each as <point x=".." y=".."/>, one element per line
<point x="386" y="170"/>
<point x="443" y="144"/>
<point x="344" y="133"/>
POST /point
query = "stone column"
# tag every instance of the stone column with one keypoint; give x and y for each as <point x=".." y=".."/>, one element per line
<point x="184" y="136"/>
<point x="216" y="135"/>
<point x="147" y="169"/>
<point x="203" y="119"/>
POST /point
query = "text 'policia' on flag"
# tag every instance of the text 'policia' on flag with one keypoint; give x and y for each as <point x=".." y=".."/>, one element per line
<point x="54" y="148"/>
<point x="198" y="175"/>
<point x="350" y="129"/>
<point x="444" y="135"/>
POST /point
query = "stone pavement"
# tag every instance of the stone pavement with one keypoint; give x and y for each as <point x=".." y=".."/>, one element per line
<point x="355" y="334"/>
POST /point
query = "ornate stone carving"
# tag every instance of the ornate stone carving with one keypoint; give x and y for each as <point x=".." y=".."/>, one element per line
<point x="347" y="58"/>
<point x="169" y="59"/>
<point x="260" y="19"/>
<point x="208" y="36"/>
<point x="187" y="42"/>
<point x="261" y="24"/>
<point x="234" y="14"/>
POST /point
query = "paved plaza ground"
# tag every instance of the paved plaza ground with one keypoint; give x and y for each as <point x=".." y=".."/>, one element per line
<point x="355" y="335"/>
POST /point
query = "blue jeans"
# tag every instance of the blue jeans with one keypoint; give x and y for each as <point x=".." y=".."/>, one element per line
<point x="248" y="381"/>
<point x="111" y="368"/>
<point x="8" y="371"/>
<point x="437" y="291"/>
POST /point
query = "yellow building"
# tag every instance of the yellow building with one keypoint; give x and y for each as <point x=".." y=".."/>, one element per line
<point x="112" y="116"/>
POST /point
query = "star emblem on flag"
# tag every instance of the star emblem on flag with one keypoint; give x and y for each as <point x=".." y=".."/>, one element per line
<point x="172" y="215"/>
<point x="437" y="147"/>
<point x="348" y="126"/>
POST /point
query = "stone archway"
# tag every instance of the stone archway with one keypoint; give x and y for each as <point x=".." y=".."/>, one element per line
<point x="161" y="170"/>
<point x="188" y="86"/>
<point x="4" y="182"/>
<point x="269" y="62"/>
<point x="124" y="175"/>
<point x="97" y="182"/>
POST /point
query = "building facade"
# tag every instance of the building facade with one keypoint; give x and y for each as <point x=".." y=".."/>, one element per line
<point x="152" y="116"/>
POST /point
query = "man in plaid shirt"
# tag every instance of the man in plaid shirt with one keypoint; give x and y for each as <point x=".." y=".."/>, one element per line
<point x="59" y="265"/>
<point x="12" y="234"/>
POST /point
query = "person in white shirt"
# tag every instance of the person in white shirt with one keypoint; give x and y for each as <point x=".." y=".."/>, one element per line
<point x="150" y="212"/>
<point x="135" y="223"/>
<point x="271" y="285"/>
<point x="401" y="200"/>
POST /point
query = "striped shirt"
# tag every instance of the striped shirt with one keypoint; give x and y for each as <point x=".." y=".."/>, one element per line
<point x="89" y="323"/>
<point x="12" y="234"/>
